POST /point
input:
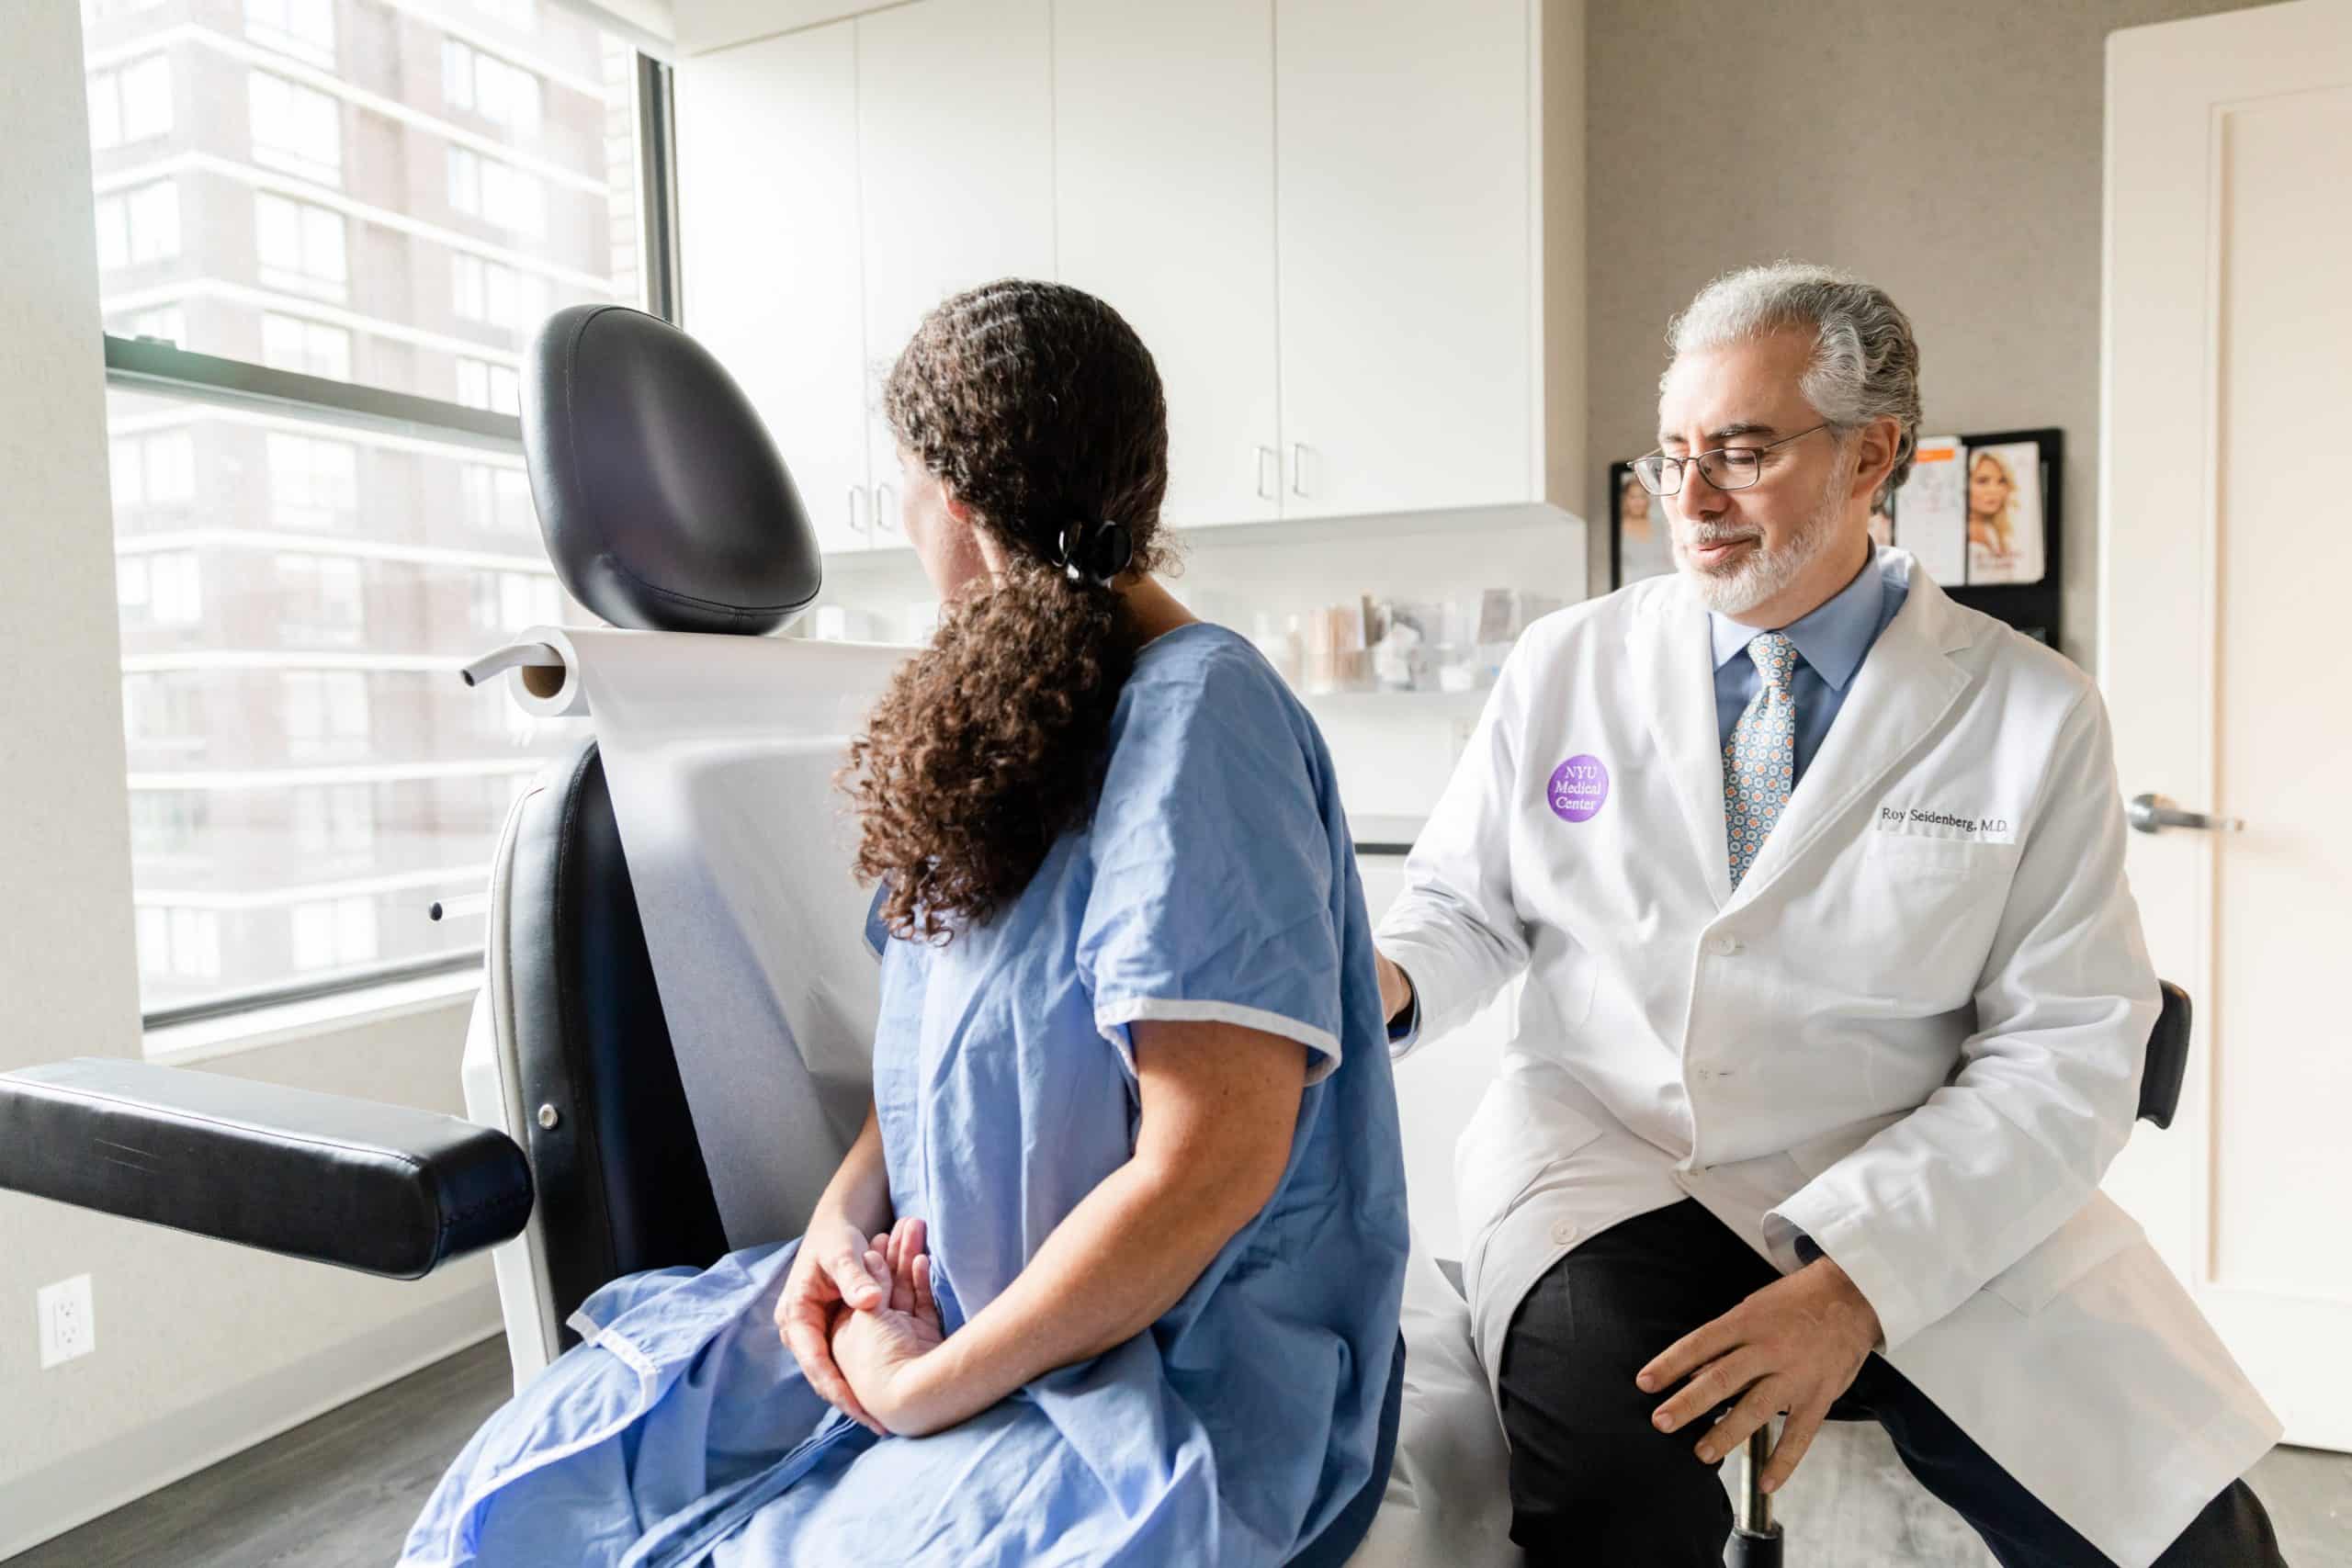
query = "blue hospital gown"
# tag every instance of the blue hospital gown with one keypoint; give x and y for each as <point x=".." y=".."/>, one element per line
<point x="1216" y="881"/>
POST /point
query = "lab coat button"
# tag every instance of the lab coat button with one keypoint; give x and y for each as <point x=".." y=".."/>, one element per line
<point x="1563" y="1232"/>
<point x="1726" y="945"/>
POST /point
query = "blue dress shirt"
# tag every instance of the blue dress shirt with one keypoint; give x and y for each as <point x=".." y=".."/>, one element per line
<point x="1830" y="641"/>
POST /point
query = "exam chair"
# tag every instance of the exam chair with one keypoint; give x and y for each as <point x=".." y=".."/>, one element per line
<point x="666" y="507"/>
<point x="1757" y="1540"/>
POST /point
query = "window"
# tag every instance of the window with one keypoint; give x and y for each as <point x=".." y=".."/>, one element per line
<point x="163" y="714"/>
<point x="164" y="585"/>
<point x="493" y="292"/>
<point x="505" y="95"/>
<point x="497" y="193"/>
<point x="498" y="500"/>
<point x="313" y="348"/>
<point x="165" y="822"/>
<point x="507" y="602"/>
<point x="165" y="324"/>
<point x="519" y="15"/>
<point x="300" y="245"/>
<point x="304" y="29"/>
<point x="153" y="470"/>
<point x="314" y="483"/>
<point x="482" y="384"/>
<point x="324" y="599"/>
<point x="334" y="931"/>
<point x="140" y="226"/>
<point x="300" y="561"/>
<point x="338" y="820"/>
<point x="326" y="712"/>
<point x="297" y="128"/>
<point x="183" y="943"/>
<point x="132" y="103"/>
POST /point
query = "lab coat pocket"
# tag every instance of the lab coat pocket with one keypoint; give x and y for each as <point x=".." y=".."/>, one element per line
<point x="1942" y="860"/>
<point x="2095" y="1233"/>
<point x="1519" y="1131"/>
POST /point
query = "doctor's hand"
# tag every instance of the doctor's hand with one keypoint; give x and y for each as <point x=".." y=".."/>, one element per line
<point x="1794" y="1345"/>
<point x="829" y="1279"/>
<point x="886" y="1354"/>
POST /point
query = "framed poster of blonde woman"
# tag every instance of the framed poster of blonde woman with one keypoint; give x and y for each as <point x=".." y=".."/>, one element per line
<point x="2005" y="538"/>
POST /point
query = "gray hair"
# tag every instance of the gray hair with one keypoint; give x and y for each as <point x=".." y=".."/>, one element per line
<point x="1865" y="361"/>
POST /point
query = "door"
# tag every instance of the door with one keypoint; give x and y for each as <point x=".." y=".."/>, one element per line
<point x="1164" y="206"/>
<point x="768" y="228"/>
<point x="955" y="152"/>
<point x="1407" y="233"/>
<point x="2228" y="211"/>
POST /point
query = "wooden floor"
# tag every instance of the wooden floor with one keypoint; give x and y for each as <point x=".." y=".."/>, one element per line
<point x="342" y="1491"/>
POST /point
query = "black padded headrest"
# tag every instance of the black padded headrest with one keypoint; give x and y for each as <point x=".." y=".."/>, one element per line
<point x="664" y="500"/>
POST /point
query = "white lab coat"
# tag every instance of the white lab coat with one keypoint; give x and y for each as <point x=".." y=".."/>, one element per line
<point x="1914" y="1034"/>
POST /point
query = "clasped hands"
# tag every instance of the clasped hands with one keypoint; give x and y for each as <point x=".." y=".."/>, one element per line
<point x="859" y="1316"/>
<point x="1792" y="1347"/>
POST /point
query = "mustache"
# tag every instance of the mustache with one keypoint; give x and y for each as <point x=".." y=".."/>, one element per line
<point x="1698" y="534"/>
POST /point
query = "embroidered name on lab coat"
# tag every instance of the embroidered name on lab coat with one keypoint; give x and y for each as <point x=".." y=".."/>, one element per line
<point x="1937" y="822"/>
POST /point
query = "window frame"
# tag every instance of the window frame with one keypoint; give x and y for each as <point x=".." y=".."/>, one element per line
<point x="153" y="366"/>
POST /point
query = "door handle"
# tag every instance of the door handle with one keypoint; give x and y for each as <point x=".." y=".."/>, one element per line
<point x="1269" y="491"/>
<point x="856" y="527"/>
<point x="2153" y="813"/>
<point x="884" y="513"/>
<point x="1299" y="467"/>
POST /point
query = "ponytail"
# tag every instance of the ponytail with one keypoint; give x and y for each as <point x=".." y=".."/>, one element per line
<point x="1042" y="411"/>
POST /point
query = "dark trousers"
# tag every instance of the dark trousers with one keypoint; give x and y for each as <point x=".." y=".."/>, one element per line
<point x="1592" y="1481"/>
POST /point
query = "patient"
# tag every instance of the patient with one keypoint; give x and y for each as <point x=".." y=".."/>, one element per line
<point x="1112" y="1275"/>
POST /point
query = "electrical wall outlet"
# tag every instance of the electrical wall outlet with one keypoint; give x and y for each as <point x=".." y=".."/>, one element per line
<point x="68" y="1326"/>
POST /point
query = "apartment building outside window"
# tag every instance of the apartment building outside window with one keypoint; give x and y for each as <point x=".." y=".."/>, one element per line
<point x="385" y="200"/>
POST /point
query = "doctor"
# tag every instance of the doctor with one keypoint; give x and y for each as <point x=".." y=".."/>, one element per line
<point x="1834" y="1007"/>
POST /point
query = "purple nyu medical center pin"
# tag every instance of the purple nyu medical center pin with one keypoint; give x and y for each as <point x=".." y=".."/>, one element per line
<point x="1580" y="788"/>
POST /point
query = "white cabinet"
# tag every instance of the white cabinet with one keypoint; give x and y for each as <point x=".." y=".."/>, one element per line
<point x="1326" y="218"/>
<point x="768" y="228"/>
<point x="956" y="154"/>
<point x="1411" y="332"/>
<point x="1164" y="184"/>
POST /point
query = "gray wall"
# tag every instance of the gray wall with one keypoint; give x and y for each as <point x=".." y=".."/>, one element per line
<point x="1951" y="154"/>
<point x="201" y="1348"/>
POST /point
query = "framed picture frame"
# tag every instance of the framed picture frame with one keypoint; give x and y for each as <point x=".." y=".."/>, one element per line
<point x="1639" y="543"/>
<point x="1998" y="521"/>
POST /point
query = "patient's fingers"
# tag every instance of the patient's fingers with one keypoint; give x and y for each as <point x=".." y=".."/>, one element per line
<point x="902" y="1281"/>
<point x="926" y="1305"/>
<point x="856" y="1286"/>
<point x="804" y="1335"/>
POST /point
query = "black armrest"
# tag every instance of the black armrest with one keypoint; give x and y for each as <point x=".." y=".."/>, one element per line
<point x="2167" y="1061"/>
<point x="380" y="1188"/>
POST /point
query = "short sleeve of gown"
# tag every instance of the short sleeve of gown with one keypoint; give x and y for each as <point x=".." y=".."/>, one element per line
<point x="1212" y="896"/>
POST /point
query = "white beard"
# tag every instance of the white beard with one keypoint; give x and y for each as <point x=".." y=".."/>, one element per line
<point x="1763" y="572"/>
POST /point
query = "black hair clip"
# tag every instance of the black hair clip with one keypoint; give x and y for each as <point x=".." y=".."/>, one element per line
<point x="1096" y="552"/>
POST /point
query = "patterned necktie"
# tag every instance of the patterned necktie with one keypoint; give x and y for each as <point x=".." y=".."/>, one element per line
<point x="1759" y="761"/>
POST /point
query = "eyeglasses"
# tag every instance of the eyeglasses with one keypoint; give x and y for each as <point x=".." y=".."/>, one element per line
<point x="1725" y="467"/>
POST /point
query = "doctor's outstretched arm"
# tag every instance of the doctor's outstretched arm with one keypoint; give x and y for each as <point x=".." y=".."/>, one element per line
<point x="1454" y="936"/>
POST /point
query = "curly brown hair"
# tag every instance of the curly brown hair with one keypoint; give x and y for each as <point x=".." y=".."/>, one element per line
<point x="1039" y="408"/>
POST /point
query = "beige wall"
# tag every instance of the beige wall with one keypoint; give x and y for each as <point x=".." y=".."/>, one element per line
<point x="200" y="1348"/>
<point x="1949" y="153"/>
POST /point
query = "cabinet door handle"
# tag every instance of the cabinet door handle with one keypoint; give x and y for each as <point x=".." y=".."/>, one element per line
<point x="1299" y="467"/>
<point x="1269" y="491"/>
<point x="857" y="528"/>
<point x="886" y="519"/>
